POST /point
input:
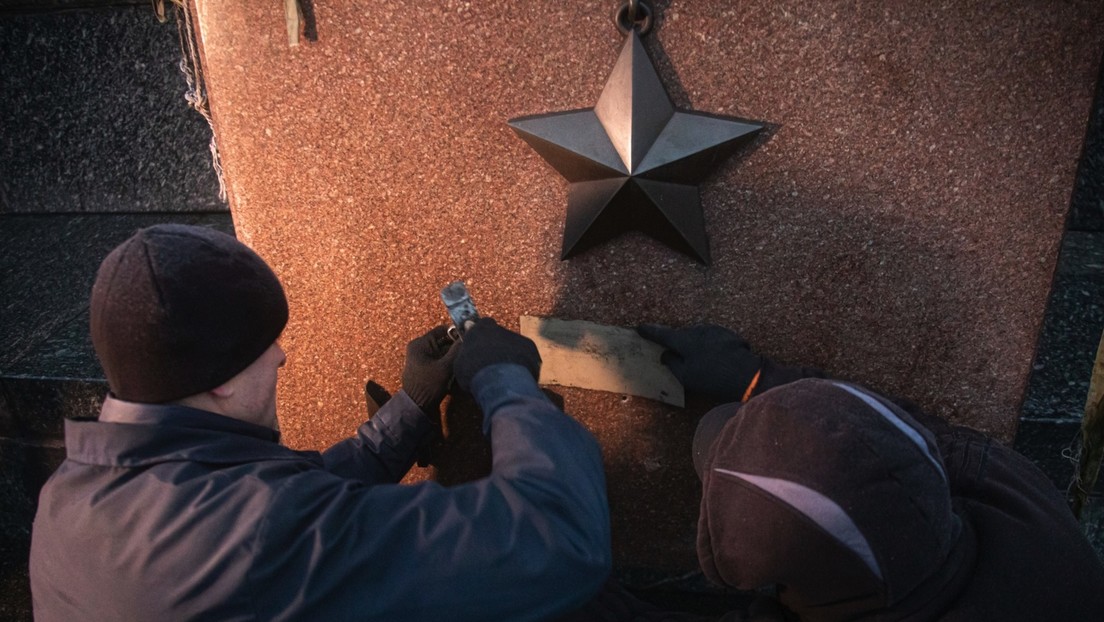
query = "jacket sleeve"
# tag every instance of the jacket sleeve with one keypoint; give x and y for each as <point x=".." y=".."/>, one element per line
<point x="384" y="447"/>
<point x="1025" y="531"/>
<point x="528" y="542"/>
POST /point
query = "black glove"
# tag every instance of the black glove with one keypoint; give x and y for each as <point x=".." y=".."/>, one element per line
<point x="428" y="369"/>
<point x="707" y="359"/>
<point x="487" y="343"/>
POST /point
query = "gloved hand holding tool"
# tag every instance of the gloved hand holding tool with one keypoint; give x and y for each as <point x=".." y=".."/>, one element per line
<point x="486" y="343"/>
<point x="428" y="370"/>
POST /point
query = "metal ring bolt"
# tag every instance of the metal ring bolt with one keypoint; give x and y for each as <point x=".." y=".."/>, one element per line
<point x="633" y="14"/>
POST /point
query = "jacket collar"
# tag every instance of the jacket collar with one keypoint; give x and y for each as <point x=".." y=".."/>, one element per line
<point x="145" y="434"/>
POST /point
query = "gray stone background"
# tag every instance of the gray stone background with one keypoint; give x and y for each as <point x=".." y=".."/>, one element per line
<point x="98" y="141"/>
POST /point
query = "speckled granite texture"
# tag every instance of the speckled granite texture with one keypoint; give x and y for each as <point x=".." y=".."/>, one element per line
<point x="899" y="226"/>
<point x="94" y="115"/>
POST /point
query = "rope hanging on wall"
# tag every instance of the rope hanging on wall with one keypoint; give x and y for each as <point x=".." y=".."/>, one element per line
<point x="196" y="95"/>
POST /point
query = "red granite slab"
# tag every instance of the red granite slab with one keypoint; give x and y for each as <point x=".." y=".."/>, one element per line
<point x="900" y="226"/>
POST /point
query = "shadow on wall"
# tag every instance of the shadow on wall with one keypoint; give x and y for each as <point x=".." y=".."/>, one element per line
<point x="863" y="299"/>
<point x="832" y="283"/>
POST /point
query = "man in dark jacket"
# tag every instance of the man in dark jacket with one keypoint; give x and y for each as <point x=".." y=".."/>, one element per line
<point x="179" y="502"/>
<point x="848" y="506"/>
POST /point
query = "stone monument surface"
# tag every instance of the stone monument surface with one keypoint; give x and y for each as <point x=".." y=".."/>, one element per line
<point x="95" y="118"/>
<point x="896" y="224"/>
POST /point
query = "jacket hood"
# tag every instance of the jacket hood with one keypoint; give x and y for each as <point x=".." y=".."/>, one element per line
<point x="837" y="498"/>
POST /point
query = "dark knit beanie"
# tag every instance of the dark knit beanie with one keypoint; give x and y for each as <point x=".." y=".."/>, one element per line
<point x="178" y="310"/>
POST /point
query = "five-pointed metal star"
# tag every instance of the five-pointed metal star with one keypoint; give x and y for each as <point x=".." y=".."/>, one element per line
<point x="633" y="161"/>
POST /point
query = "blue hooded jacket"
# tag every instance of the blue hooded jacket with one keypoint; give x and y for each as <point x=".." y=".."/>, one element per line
<point x="184" y="514"/>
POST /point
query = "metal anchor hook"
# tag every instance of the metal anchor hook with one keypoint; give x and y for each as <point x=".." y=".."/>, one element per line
<point x="633" y="14"/>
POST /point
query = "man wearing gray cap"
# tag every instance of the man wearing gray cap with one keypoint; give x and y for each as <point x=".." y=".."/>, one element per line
<point x="180" y="503"/>
<point x="845" y="505"/>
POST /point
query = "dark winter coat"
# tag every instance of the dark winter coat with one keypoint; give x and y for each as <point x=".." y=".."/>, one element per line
<point x="853" y="507"/>
<point x="184" y="514"/>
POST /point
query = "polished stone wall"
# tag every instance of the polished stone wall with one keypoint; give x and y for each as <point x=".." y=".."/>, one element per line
<point x="899" y="224"/>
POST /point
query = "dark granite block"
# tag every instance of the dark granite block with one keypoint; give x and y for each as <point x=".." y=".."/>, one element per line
<point x="1059" y="382"/>
<point x="1087" y="206"/>
<point x="46" y="273"/>
<point x="1051" y="446"/>
<point x="33" y="408"/>
<point x="95" y="116"/>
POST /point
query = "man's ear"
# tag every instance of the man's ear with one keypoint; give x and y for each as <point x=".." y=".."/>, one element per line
<point x="222" y="391"/>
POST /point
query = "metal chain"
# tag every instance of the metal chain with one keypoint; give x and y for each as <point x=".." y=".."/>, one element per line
<point x="633" y="15"/>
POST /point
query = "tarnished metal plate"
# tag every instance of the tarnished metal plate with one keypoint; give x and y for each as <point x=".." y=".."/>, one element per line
<point x="586" y="355"/>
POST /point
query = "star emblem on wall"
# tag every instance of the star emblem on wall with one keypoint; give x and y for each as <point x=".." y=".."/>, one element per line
<point x="634" y="161"/>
